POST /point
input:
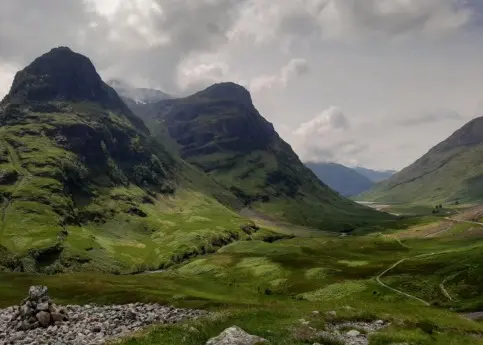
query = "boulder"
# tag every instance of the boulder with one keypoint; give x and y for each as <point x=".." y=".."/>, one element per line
<point x="43" y="306"/>
<point x="236" y="336"/>
<point x="353" y="333"/>
<point x="57" y="317"/>
<point x="44" y="318"/>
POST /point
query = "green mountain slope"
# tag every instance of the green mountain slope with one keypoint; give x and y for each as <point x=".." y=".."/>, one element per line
<point x="450" y="171"/>
<point x="220" y="131"/>
<point x="340" y="178"/>
<point x="84" y="186"/>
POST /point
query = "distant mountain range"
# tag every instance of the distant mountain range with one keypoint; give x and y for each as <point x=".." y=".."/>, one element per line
<point x="348" y="182"/>
<point x="451" y="171"/>
<point x="375" y="175"/>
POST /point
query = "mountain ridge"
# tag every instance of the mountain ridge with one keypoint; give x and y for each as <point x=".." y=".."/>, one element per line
<point x="344" y="180"/>
<point x="219" y="130"/>
<point x="374" y="175"/>
<point x="85" y="187"/>
<point x="448" y="172"/>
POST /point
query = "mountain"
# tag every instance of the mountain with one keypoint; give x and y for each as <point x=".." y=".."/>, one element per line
<point x="84" y="185"/>
<point x="220" y="131"/>
<point x="139" y="100"/>
<point x="375" y="175"/>
<point x="450" y="171"/>
<point x="340" y="178"/>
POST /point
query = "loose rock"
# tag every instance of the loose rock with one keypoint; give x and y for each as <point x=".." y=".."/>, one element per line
<point x="236" y="336"/>
<point x="353" y="333"/>
<point x="81" y="325"/>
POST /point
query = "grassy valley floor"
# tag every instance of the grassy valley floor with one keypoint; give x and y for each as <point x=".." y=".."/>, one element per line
<point x="267" y="288"/>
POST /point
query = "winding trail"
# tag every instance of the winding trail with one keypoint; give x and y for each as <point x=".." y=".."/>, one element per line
<point x="444" y="291"/>
<point x="441" y="286"/>
<point x="378" y="279"/>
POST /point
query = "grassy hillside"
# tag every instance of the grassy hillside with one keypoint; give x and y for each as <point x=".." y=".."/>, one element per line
<point x="220" y="131"/>
<point x="451" y="171"/>
<point x="342" y="179"/>
<point x="84" y="187"/>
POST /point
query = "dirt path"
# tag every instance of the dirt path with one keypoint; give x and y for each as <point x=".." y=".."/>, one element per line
<point x="378" y="279"/>
<point x="402" y="244"/>
<point x="444" y="291"/>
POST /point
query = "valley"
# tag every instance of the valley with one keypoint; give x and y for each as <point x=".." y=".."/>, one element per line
<point x="119" y="204"/>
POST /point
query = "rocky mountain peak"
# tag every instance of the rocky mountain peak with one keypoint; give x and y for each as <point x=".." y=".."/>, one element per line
<point x="61" y="75"/>
<point x="227" y="91"/>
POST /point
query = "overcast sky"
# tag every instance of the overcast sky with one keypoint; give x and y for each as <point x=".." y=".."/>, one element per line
<point x="360" y="82"/>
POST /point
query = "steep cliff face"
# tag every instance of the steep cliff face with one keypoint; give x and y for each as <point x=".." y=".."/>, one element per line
<point x="220" y="131"/>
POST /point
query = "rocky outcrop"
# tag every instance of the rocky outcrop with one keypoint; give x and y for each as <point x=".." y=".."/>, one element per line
<point x="81" y="325"/>
<point x="236" y="336"/>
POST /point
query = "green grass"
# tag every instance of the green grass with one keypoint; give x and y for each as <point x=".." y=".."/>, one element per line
<point x="106" y="207"/>
<point x="265" y="288"/>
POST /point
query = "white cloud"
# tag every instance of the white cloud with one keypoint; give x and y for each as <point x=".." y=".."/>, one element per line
<point x="326" y="137"/>
<point x="199" y="72"/>
<point x="7" y="72"/>
<point x="332" y="119"/>
<point x="295" y="68"/>
<point x="332" y="137"/>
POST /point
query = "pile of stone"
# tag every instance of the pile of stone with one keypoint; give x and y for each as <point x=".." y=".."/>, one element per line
<point x="81" y="325"/>
<point x="350" y="332"/>
<point x="37" y="310"/>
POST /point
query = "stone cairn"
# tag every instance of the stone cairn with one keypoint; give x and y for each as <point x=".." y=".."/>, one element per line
<point x="37" y="310"/>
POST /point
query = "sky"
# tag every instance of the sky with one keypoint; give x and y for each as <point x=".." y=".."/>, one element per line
<point x="374" y="83"/>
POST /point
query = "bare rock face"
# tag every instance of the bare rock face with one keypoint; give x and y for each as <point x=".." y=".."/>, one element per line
<point x="236" y="336"/>
<point x="37" y="310"/>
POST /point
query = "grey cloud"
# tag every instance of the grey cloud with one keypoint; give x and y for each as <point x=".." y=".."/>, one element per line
<point x="191" y="27"/>
<point x="132" y="51"/>
<point x="431" y="117"/>
<point x="349" y="19"/>
<point x="29" y="28"/>
<point x="342" y="151"/>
